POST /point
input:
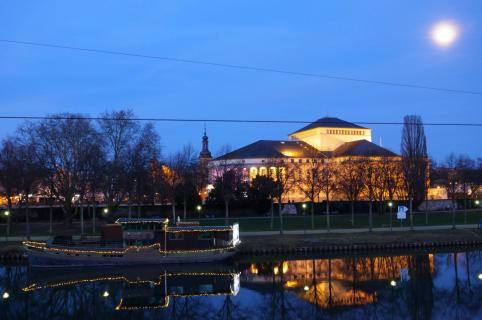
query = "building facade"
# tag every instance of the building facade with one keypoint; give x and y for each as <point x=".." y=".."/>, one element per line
<point x="328" y="140"/>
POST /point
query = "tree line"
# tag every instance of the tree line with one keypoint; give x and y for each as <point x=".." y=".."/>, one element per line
<point x="71" y="160"/>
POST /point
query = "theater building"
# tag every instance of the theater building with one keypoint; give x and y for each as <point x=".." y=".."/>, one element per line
<point x="330" y="138"/>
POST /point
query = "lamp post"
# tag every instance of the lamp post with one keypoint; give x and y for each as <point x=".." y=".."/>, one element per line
<point x="303" y="207"/>
<point x="390" y="205"/>
<point x="198" y="209"/>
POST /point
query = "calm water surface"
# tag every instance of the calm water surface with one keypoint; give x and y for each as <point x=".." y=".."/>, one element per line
<point x="422" y="286"/>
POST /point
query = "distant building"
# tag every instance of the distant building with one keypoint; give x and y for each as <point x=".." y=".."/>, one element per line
<point x="331" y="138"/>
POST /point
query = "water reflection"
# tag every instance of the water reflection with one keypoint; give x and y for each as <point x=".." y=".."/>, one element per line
<point x="422" y="286"/>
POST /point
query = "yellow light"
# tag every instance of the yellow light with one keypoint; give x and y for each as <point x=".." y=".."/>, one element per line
<point x="6" y="213"/>
<point x="106" y="210"/>
<point x="105" y="294"/>
<point x="390" y="204"/>
<point x="6" y="295"/>
<point x="275" y="270"/>
<point x="198" y="208"/>
<point x="285" y="267"/>
<point x="306" y="288"/>
<point x="444" y="33"/>
<point x="303" y="205"/>
<point x="393" y="283"/>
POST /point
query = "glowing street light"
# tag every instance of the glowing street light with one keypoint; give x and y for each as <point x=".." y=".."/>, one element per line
<point x="6" y="213"/>
<point x="5" y="295"/>
<point x="198" y="207"/>
<point x="306" y="288"/>
<point x="390" y="204"/>
<point x="105" y="294"/>
<point x="479" y="276"/>
<point x="303" y="205"/>
<point x="106" y="210"/>
<point x="477" y="202"/>
<point x="393" y="283"/>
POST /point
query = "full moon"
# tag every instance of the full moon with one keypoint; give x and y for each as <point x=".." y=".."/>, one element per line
<point x="444" y="33"/>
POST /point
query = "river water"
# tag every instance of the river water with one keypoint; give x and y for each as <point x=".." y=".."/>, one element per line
<point x="415" y="286"/>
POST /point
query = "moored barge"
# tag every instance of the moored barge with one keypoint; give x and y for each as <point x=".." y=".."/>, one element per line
<point x="137" y="242"/>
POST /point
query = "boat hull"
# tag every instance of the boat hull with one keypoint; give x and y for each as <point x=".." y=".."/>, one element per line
<point x="38" y="258"/>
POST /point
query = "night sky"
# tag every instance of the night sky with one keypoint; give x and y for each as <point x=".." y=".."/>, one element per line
<point x="376" y="40"/>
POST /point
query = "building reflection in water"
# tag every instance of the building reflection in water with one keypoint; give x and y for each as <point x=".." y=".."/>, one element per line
<point x="335" y="283"/>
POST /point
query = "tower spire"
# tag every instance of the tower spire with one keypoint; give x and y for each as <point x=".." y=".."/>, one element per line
<point x="205" y="154"/>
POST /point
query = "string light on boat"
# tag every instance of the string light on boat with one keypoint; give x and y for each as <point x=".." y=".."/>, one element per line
<point x="136" y="221"/>
<point x="42" y="246"/>
<point x="170" y="230"/>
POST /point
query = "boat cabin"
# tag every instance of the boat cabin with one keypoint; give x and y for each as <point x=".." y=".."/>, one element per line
<point x="182" y="237"/>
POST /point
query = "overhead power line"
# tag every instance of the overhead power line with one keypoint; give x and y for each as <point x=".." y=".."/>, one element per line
<point x="241" y="67"/>
<point x="231" y="120"/>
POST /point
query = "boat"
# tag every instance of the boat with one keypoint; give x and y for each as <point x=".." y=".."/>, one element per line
<point x="134" y="288"/>
<point x="141" y="241"/>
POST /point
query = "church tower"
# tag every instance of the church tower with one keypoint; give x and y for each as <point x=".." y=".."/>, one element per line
<point x="205" y="154"/>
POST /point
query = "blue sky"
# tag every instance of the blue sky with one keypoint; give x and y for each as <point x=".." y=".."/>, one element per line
<point x="378" y="40"/>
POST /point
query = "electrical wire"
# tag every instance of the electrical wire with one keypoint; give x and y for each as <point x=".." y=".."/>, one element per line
<point x="241" y="67"/>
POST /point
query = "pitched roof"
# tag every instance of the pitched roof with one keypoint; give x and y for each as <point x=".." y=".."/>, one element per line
<point x="271" y="149"/>
<point x="362" y="148"/>
<point x="329" y="122"/>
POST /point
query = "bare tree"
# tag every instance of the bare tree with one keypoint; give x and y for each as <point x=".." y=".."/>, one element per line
<point x="414" y="158"/>
<point x="67" y="145"/>
<point x="144" y="150"/>
<point x="351" y="181"/>
<point x="9" y="172"/>
<point x="283" y="174"/>
<point x="119" y="132"/>
<point x="451" y="180"/>
<point x="309" y="181"/>
<point x="328" y="175"/>
<point x="172" y="180"/>
<point x="370" y="168"/>
<point x="187" y="168"/>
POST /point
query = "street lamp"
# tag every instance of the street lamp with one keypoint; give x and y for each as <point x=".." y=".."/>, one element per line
<point x="390" y="204"/>
<point x="479" y="276"/>
<point x="393" y="283"/>
<point x="5" y="295"/>
<point x="6" y="213"/>
<point x="306" y="288"/>
<point x="198" y="207"/>
<point x="477" y="202"/>
<point x="105" y="294"/>
<point x="303" y="205"/>
<point x="106" y="210"/>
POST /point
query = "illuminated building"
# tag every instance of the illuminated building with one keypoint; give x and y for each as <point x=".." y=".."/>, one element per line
<point x="327" y="139"/>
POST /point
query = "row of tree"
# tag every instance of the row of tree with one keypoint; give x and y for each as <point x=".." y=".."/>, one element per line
<point x="73" y="161"/>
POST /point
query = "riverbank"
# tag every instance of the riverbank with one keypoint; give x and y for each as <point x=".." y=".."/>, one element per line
<point x="359" y="242"/>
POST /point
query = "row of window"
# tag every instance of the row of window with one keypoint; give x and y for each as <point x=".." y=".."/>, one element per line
<point x="345" y="131"/>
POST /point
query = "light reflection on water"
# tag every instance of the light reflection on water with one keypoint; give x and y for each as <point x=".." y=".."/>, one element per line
<point x="422" y="286"/>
